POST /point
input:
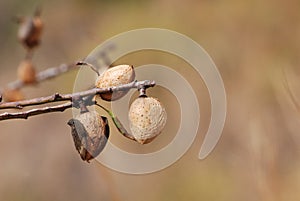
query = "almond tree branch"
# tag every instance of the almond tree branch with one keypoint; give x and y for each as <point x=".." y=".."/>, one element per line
<point x="63" y="68"/>
<point x="68" y="97"/>
<point x="45" y="75"/>
<point x="33" y="112"/>
<point x="64" y="97"/>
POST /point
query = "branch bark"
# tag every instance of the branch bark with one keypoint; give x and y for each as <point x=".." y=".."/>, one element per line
<point x="33" y="112"/>
<point x="64" y="97"/>
<point x="44" y="75"/>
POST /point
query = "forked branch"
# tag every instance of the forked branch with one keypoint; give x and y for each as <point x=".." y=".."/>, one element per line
<point x="84" y="95"/>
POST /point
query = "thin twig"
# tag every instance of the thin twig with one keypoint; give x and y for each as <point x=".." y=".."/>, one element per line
<point x="68" y="97"/>
<point x="36" y="111"/>
<point x="79" y="63"/>
<point x="44" y="75"/>
<point x="35" y="101"/>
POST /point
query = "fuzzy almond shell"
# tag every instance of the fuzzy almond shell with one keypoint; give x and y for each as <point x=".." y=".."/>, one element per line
<point x="115" y="76"/>
<point x="147" y="118"/>
<point x="97" y="129"/>
<point x="93" y="123"/>
<point x="26" y="72"/>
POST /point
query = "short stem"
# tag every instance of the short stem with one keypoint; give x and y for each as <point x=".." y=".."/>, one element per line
<point x="117" y="123"/>
<point x="89" y="65"/>
<point x="78" y="101"/>
<point x="142" y="91"/>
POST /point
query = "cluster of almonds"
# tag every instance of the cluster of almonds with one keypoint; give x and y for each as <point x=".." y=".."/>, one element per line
<point x="29" y="35"/>
<point x="90" y="131"/>
<point x="30" y="32"/>
<point x="147" y="116"/>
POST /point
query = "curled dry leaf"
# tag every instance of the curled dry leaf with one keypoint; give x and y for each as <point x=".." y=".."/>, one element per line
<point x="30" y="31"/>
<point x="90" y="132"/>
<point x="147" y="118"/>
<point x="115" y="76"/>
<point x="26" y="72"/>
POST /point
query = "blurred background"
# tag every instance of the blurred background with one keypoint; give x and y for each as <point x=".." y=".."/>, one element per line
<point x="255" y="45"/>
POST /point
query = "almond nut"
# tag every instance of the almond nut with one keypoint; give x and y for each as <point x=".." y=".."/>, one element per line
<point x="147" y="118"/>
<point x="115" y="76"/>
<point x="90" y="132"/>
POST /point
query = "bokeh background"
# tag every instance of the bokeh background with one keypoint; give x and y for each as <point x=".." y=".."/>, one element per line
<point x="255" y="45"/>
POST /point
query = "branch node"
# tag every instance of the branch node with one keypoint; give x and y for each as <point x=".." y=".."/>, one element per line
<point x="57" y="96"/>
<point x="142" y="87"/>
<point x="19" y="107"/>
<point x="89" y="100"/>
<point x="79" y="103"/>
<point x="79" y="100"/>
<point x="142" y="91"/>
